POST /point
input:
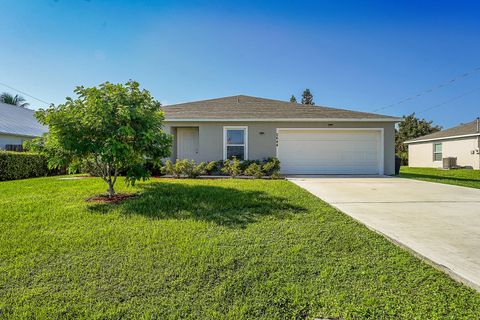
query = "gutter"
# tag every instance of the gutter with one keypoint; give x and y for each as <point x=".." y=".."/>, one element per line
<point x="444" y="138"/>
<point x="286" y="120"/>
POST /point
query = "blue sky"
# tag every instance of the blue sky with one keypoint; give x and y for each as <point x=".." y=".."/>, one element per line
<point x="362" y="55"/>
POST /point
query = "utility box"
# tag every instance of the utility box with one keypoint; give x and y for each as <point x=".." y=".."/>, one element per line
<point x="449" y="163"/>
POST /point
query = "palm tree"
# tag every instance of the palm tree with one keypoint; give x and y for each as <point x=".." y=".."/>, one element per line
<point x="16" y="100"/>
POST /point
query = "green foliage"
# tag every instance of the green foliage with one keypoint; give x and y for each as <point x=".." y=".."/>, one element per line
<point x="410" y="128"/>
<point x="173" y="169"/>
<point x="246" y="163"/>
<point x="206" y="249"/>
<point x="293" y="99"/>
<point x="403" y="158"/>
<point x="114" y="127"/>
<point x="271" y="167"/>
<point x="21" y="165"/>
<point x="15" y="100"/>
<point x="307" y="97"/>
<point x="232" y="167"/>
<point x="254" y="170"/>
<point x="187" y="168"/>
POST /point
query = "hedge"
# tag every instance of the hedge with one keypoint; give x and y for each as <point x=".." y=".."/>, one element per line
<point x="21" y="165"/>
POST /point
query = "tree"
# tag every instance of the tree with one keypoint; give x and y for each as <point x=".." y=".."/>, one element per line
<point x="410" y="128"/>
<point x="15" y="100"/>
<point x="111" y="128"/>
<point x="307" y="97"/>
<point x="293" y="99"/>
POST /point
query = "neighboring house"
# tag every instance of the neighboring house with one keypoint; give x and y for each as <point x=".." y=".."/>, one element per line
<point x="17" y="124"/>
<point x="306" y="139"/>
<point x="461" y="142"/>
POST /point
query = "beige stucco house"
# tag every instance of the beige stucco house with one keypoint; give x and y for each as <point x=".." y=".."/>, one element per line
<point x="306" y="139"/>
<point x="17" y="124"/>
<point x="461" y="142"/>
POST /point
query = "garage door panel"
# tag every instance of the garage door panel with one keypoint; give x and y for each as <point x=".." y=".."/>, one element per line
<point x="329" y="152"/>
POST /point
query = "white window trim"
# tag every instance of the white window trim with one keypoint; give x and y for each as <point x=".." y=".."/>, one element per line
<point x="434" y="153"/>
<point x="225" y="128"/>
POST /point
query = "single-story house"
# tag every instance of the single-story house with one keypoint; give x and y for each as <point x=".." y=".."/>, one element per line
<point x="461" y="142"/>
<point x="306" y="139"/>
<point x="17" y="124"/>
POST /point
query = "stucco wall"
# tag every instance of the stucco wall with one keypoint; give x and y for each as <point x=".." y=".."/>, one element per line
<point x="264" y="145"/>
<point x="421" y="154"/>
<point x="10" y="139"/>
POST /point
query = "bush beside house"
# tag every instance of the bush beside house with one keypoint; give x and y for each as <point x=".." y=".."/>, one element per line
<point x="22" y="165"/>
<point x="256" y="169"/>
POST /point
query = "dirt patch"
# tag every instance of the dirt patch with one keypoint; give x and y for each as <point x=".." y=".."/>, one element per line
<point x="115" y="199"/>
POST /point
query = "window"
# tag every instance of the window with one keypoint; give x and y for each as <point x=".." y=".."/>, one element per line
<point x="437" y="152"/>
<point x="235" y="140"/>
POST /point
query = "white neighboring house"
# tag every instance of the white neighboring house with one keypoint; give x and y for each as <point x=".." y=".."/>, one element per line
<point x="17" y="124"/>
<point x="461" y="142"/>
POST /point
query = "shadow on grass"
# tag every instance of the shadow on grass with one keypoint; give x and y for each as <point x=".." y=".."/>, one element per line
<point x="435" y="177"/>
<point x="221" y="205"/>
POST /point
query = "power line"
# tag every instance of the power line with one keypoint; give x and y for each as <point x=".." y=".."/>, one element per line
<point x="444" y="84"/>
<point x="449" y="100"/>
<point x="24" y="93"/>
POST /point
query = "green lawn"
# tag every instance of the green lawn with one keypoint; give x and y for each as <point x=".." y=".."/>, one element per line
<point x="459" y="177"/>
<point x="205" y="249"/>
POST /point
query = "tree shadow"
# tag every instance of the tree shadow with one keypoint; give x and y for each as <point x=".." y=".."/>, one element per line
<point x="221" y="205"/>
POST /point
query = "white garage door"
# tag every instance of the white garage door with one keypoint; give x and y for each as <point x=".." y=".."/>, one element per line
<point x="314" y="151"/>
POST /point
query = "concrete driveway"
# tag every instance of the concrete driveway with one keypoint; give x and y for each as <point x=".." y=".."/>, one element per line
<point x="439" y="222"/>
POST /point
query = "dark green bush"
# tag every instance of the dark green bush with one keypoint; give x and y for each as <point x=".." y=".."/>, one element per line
<point x="403" y="158"/>
<point x="271" y="167"/>
<point x="246" y="163"/>
<point x="22" y="165"/>
<point x="254" y="170"/>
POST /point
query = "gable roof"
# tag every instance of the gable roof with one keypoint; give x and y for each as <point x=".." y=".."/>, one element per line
<point x="466" y="129"/>
<point x="19" y="121"/>
<point x="247" y="108"/>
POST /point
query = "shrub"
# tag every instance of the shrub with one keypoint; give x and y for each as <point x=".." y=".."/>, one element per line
<point x="172" y="169"/>
<point x="192" y="170"/>
<point x="403" y="158"/>
<point x="271" y="167"/>
<point x="246" y="163"/>
<point x="232" y="167"/>
<point x="21" y="165"/>
<point x="187" y="168"/>
<point x="254" y="170"/>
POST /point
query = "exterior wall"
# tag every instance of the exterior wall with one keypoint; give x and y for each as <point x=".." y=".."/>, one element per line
<point x="264" y="145"/>
<point x="10" y="139"/>
<point x="421" y="154"/>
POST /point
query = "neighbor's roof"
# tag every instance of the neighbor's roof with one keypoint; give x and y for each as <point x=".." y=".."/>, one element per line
<point x="466" y="129"/>
<point x="259" y="109"/>
<point x="19" y="121"/>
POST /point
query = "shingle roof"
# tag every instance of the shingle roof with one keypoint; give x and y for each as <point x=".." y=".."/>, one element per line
<point x="253" y="108"/>
<point x="19" y="121"/>
<point x="463" y="129"/>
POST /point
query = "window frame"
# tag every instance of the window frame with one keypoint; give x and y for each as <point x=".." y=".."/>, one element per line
<point x="245" y="141"/>
<point x="435" y="153"/>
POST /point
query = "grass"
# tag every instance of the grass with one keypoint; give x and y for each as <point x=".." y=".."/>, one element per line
<point x="207" y="249"/>
<point x="459" y="177"/>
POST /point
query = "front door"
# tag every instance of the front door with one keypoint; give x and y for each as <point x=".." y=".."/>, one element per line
<point x="187" y="143"/>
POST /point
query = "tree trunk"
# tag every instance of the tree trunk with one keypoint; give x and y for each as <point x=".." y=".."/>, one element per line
<point x="111" y="191"/>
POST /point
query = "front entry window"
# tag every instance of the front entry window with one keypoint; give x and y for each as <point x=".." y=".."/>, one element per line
<point x="235" y="143"/>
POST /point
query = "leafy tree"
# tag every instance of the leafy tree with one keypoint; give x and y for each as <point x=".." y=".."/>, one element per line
<point x="307" y="97"/>
<point x="410" y="128"/>
<point x="15" y="100"/>
<point x="293" y="99"/>
<point x="111" y="128"/>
